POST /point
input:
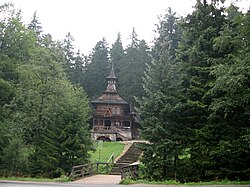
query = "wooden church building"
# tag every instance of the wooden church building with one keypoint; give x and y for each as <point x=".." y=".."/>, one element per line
<point x="113" y="119"/>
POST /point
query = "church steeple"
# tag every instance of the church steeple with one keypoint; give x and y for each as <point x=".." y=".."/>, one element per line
<point x="111" y="87"/>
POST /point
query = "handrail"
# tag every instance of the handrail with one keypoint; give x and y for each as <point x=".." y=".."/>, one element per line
<point x="130" y="171"/>
<point x="83" y="170"/>
<point x="111" y="158"/>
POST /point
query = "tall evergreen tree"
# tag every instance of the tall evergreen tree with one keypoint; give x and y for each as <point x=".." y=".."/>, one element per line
<point x="79" y="69"/>
<point x="168" y="36"/>
<point x="159" y="108"/>
<point x="17" y="41"/>
<point x="69" y="54"/>
<point x="132" y="69"/>
<point x="53" y="115"/>
<point x="36" y="27"/>
<point x="196" y="48"/>
<point x="97" y="69"/>
<point x="43" y="116"/>
<point x="226" y="133"/>
<point x="117" y="54"/>
<point x="207" y="52"/>
<point x="16" y="45"/>
<point x="74" y="65"/>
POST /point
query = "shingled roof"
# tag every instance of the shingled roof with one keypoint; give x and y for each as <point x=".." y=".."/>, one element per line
<point x="110" y="95"/>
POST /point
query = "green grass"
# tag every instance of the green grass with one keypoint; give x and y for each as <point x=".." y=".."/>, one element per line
<point x="105" y="153"/>
<point x="61" y="179"/>
<point x="107" y="149"/>
<point x="171" y="182"/>
<point x="224" y="182"/>
<point x="128" y="181"/>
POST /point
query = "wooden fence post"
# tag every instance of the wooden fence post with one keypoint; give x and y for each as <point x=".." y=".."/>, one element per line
<point x="130" y="171"/>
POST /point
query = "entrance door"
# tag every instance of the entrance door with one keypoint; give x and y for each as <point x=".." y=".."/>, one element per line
<point x="107" y="123"/>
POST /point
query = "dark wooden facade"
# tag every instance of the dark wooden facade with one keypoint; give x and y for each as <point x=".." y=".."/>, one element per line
<point x="112" y="119"/>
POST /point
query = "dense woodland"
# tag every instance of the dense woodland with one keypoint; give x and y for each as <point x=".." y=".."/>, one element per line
<point x="191" y="90"/>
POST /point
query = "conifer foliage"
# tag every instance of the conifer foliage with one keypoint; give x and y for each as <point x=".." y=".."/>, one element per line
<point x="44" y="117"/>
<point x="160" y="107"/>
<point x="195" y="111"/>
<point x="191" y="90"/>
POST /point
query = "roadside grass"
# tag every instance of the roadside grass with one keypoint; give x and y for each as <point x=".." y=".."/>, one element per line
<point x="61" y="179"/>
<point x="223" y="182"/>
<point x="106" y="151"/>
<point x="172" y="182"/>
<point x="129" y="181"/>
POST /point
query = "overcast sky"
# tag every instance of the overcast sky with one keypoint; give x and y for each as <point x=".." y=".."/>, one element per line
<point x="91" y="20"/>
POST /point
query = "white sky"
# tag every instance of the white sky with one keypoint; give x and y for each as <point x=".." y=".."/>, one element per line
<point x="89" y="21"/>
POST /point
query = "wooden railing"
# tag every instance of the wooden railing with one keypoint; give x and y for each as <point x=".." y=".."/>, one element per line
<point x="130" y="171"/>
<point x="109" y="128"/>
<point x="103" y="128"/>
<point x="84" y="170"/>
<point x="111" y="159"/>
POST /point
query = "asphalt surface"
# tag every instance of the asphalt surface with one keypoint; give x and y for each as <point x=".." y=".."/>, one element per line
<point x="43" y="184"/>
<point x="73" y="184"/>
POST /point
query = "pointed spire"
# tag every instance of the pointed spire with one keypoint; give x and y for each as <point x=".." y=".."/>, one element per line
<point x="112" y="73"/>
<point x="111" y="81"/>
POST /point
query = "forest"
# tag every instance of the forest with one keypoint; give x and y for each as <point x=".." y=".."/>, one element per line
<point x="191" y="90"/>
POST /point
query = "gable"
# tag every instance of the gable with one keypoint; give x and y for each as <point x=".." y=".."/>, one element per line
<point x="108" y="113"/>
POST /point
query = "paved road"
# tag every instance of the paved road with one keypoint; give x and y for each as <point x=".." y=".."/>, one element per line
<point x="42" y="184"/>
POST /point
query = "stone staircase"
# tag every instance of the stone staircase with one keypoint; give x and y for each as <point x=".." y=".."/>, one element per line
<point x="130" y="156"/>
<point x="123" y="134"/>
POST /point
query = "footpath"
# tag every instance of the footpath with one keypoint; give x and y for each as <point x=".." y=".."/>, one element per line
<point x="108" y="179"/>
<point x="100" y="179"/>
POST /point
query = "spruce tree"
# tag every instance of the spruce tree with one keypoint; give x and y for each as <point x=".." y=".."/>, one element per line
<point x="36" y="27"/>
<point x="136" y="57"/>
<point x="44" y="118"/>
<point x="227" y="131"/>
<point x="159" y="108"/>
<point x="97" y="69"/>
<point x="117" y="54"/>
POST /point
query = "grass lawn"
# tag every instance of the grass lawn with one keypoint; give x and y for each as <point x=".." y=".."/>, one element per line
<point x="106" y="150"/>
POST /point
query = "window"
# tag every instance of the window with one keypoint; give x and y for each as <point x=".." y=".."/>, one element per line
<point x="113" y="111"/>
<point x="118" y="111"/>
